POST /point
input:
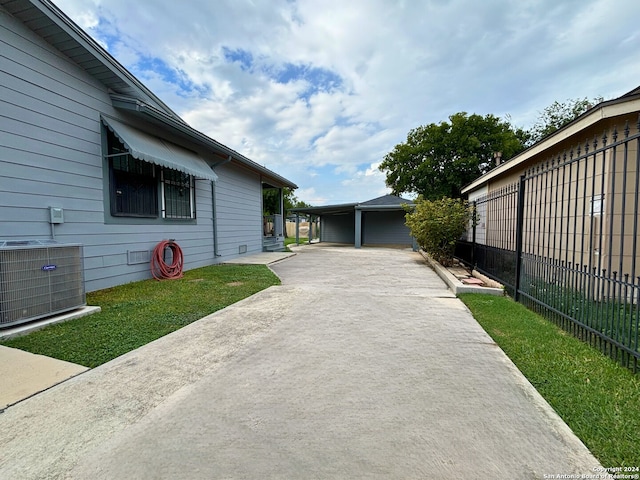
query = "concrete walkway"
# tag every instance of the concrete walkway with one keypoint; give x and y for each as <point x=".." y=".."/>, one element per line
<point x="23" y="374"/>
<point x="361" y="365"/>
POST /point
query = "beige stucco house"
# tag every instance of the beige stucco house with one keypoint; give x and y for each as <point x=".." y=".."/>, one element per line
<point x="578" y="192"/>
<point x="558" y="225"/>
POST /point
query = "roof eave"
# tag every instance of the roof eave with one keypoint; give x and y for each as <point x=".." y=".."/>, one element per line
<point x="132" y="104"/>
<point x="385" y="207"/>
<point x="88" y="44"/>
<point x="349" y="207"/>
<point x="325" y="209"/>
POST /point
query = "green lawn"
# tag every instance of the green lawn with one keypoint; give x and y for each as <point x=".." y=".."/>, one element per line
<point x="137" y="313"/>
<point x="292" y="240"/>
<point x="596" y="397"/>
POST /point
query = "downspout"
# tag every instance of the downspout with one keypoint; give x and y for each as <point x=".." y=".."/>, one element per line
<point x="214" y="220"/>
<point x="214" y="216"/>
<point x="282" y="213"/>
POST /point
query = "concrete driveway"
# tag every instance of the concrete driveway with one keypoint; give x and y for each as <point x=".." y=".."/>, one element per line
<point x="361" y="365"/>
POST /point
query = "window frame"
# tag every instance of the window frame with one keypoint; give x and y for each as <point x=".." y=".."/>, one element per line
<point x="115" y="148"/>
<point x="188" y="182"/>
<point x="597" y="205"/>
<point x="123" y="179"/>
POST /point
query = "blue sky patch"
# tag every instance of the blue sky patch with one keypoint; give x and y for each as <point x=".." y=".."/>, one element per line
<point x="170" y="75"/>
<point x="320" y="79"/>
<point x="146" y="63"/>
<point x="242" y="57"/>
<point x="318" y="76"/>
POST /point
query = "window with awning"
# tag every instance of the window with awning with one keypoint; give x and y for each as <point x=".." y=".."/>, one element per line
<point x="158" y="151"/>
<point x="150" y="177"/>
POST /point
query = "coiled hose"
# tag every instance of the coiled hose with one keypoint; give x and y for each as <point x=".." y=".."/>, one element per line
<point x="159" y="268"/>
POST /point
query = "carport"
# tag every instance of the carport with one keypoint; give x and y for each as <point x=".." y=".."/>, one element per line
<point x="380" y="222"/>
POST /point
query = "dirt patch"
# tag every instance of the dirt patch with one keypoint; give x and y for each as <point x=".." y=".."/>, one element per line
<point x="234" y="284"/>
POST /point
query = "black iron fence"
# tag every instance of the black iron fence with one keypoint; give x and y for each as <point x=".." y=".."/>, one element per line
<point x="563" y="240"/>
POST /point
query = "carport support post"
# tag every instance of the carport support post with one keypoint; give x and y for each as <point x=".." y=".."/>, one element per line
<point x="358" y="238"/>
<point x="297" y="228"/>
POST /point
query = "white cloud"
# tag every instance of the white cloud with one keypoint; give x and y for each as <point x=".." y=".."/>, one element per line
<point x="321" y="91"/>
<point x="310" y="196"/>
<point x="367" y="183"/>
<point x="373" y="170"/>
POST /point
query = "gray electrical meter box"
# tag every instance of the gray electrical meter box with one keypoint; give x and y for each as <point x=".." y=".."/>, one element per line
<point x="57" y="215"/>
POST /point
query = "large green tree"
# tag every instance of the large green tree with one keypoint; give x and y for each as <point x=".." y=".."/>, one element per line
<point x="437" y="160"/>
<point x="558" y="114"/>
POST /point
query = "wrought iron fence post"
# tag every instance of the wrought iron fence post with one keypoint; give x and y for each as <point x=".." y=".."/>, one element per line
<point x="474" y="222"/>
<point x="519" y="236"/>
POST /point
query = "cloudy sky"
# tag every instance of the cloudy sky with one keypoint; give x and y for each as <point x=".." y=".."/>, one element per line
<point x="320" y="91"/>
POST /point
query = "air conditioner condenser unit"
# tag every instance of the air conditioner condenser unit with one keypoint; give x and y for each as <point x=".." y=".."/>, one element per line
<point x="39" y="278"/>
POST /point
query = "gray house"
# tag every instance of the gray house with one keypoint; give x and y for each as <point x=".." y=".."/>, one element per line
<point x="380" y="221"/>
<point x="90" y="156"/>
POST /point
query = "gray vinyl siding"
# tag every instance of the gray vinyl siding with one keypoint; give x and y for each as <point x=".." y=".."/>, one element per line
<point x="338" y="228"/>
<point x="385" y="228"/>
<point x="51" y="155"/>
<point x="239" y="210"/>
<point x="50" y="141"/>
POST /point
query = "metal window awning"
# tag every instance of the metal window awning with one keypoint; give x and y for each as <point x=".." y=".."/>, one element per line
<point x="160" y="152"/>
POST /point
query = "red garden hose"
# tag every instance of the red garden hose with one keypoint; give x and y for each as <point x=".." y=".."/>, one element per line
<point x="159" y="268"/>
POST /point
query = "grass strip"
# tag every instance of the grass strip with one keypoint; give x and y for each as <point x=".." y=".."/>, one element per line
<point x="292" y="241"/>
<point x="596" y="397"/>
<point x="137" y="313"/>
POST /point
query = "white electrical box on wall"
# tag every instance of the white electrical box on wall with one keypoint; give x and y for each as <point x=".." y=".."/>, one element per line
<point x="57" y="215"/>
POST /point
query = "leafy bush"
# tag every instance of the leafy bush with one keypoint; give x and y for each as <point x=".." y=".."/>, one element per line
<point x="437" y="224"/>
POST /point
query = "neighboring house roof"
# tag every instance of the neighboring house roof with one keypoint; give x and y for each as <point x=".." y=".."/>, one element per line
<point x="386" y="202"/>
<point x="625" y="104"/>
<point x="127" y="92"/>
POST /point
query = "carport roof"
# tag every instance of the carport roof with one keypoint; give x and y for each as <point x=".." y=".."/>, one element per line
<point x="386" y="202"/>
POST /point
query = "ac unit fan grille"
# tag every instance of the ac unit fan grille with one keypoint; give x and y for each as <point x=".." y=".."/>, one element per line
<point x="36" y="282"/>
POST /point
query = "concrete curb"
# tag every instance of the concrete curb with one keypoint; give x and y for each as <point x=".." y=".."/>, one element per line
<point x="455" y="285"/>
<point x="29" y="327"/>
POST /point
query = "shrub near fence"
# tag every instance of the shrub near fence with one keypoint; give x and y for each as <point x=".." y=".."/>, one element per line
<point x="564" y="240"/>
<point x="436" y="224"/>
